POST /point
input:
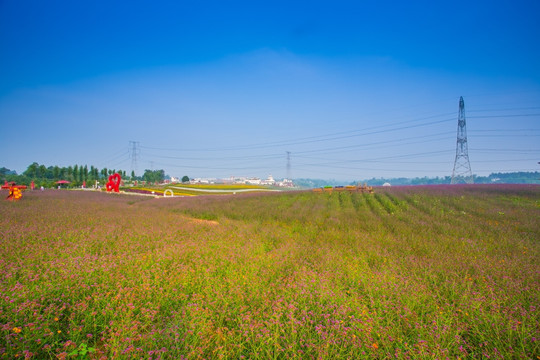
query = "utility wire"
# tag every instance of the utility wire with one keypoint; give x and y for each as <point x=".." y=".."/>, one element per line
<point x="320" y="138"/>
<point x="501" y="116"/>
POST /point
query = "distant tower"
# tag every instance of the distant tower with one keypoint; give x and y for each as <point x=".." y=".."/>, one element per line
<point x="462" y="167"/>
<point x="134" y="145"/>
<point x="289" y="165"/>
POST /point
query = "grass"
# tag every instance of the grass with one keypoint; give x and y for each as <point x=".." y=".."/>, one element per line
<point x="412" y="272"/>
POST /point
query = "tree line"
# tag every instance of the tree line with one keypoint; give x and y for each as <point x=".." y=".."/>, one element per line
<point x="77" y="175"/>
<point x="518" y="177"/>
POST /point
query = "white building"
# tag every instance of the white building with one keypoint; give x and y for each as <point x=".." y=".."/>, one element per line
<point x="203" y="181"/>
<point x="253" y="181"/>
<point x="269" y="181"/>
<point x="285" y="183"/>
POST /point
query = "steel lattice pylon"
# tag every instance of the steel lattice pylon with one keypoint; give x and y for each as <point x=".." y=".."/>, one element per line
<point x="462" y="167"/>
<point x="134" y="145"/>
<point x="289" y="165"/>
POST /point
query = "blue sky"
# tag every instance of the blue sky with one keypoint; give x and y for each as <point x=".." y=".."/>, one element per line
<point x="352" y="89"/>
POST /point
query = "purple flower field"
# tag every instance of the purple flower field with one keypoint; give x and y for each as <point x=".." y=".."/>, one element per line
<point x="433" y="272"/>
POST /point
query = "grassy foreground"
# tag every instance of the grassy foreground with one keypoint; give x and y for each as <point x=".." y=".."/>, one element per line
<point x="417" y="272"/>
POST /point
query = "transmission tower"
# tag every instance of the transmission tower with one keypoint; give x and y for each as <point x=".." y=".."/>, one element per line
<point x="134" y="146"/>
<point x="289" y="165"/>
<point x="462" y="167"/>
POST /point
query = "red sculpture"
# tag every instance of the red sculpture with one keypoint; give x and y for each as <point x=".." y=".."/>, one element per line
<point x="15" y="192"/>
<point x="114" y="183"/>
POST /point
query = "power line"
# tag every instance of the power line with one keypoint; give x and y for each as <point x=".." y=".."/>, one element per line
<point x="508" y="150"/>
<point x="377" y="159"/>
<point x="320" y="138"/>
<point x="502" y="116"/>
<point x="505" y="109"/>
<point x="322" y="144"/>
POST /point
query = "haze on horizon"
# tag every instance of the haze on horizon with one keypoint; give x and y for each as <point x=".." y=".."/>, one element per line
<point x="352" y="90"/>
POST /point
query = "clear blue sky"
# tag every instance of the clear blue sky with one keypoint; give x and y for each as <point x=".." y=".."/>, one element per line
<point x="352" y="89"/>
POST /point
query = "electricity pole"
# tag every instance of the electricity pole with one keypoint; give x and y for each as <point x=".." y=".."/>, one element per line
<point x="462" y="172"/>
<point x="134" y="146"/>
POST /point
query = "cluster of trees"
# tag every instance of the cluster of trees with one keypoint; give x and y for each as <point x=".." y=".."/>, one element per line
<point x="153" y="176"/>
<point x="494" y="178"/>
<point x="76" y="175"/>
<point x="520" y="177"/>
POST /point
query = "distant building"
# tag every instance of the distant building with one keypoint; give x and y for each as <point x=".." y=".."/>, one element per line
<point x="285" y="183"/>
<point x="269" y="181"/>
<point x="253" y="181"/>
<point x="244" y="180"/>
<point x="203" y="181"/>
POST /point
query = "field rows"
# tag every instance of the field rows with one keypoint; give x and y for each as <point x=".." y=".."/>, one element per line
<point x="417" y="272"/>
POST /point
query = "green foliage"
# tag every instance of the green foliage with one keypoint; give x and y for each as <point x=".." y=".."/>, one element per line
<point x="82" y="351"/>
<point x="47" y="176"/>
<point x="154" y="176"/>
<point x="494" y="178"/>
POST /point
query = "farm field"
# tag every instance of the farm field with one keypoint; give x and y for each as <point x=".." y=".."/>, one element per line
<point x="197" y="189"/>
<point x="407" y="272"/>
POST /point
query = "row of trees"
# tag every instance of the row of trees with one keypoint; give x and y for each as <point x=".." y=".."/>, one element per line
<point x="76" y="175"/>
<point x="520" y="177"/>
<point x="493" y="178"/>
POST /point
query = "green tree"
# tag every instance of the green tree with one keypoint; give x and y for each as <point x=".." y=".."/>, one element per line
<point x="154" y="175"/>
<point x="56" y="172"/>
<point x="42" y="172"/>
<point x="49" y="174"/>
<point x="69" y="173"/>
<point x="160" y="175"/>
<point x="185" y="179"/>
<point x="32" y="170"/>
<point x="148" y="175"/>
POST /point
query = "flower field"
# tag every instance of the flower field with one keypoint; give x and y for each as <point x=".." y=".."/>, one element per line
<point x="197" y="189"/>
<point x="412" y="272"/>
